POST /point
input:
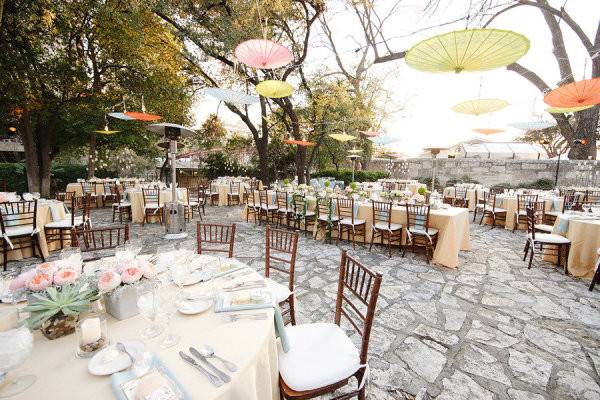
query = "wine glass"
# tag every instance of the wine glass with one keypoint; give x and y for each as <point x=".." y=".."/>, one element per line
<point x="148" y="304"/>
<point x="15" y="346"/>
<point x="168" y="308"/>
<point x="586" y="207"/>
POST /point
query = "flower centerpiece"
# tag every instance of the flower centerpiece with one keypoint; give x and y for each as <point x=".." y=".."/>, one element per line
<point x="48" y="274"/>
<point x="56" y="310"/>
<point x="118" y="285"/>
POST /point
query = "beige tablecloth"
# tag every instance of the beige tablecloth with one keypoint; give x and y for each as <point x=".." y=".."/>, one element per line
<point x="44" y="216"/>
<point x="251" y="344"/>
<point x="472" y="195"/>
<point x="136" y="198"/>
<point x="585" y="242"/>
<point x="224" y="188"/>
<point x="510" y="205"/>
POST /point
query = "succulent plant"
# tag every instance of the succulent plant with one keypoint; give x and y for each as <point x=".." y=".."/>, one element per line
<point x="70" y="300"/>
<point x="353" y="185"/>
<point x="422" y="191"/>
<point x="327" y="184"/>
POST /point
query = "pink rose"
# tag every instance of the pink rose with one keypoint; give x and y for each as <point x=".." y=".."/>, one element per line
<point x="47" y="268"/>
<point x="65" y="275"/>
<point x="131" y="274"/>
<point x="122" y="266"/>
<point x="20" y="282"/>
<point x="39" y="282"/>
<point x="148" y="269"/>
<point x="108" y="281"/>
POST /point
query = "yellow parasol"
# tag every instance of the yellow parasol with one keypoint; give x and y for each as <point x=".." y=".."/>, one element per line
<point x="342" y="137"/>
<point x="479" y="106"/>
<point x="274" y="89"/>
<point x="566" y="110"/>
<point x="468" y="50"/>
<point x="488" y="131"/>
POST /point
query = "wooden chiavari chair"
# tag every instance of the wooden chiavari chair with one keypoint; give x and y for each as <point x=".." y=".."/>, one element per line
<point x="323" y="358"/>
<point x="382" y="225"/>
<point x="326" y="219"/>
<point x="347" y="222"/>
<point x="213" y="193"/>
<point x="18" y="227"/>
<point x="592" y="197"/>
<point x="234" y="194"/>
<point x="128" y="185"/>
<point x="401" y="186"/>
<point x="120" y="206"/>
<point x="491" y="209"/>
<point x="479" y="203"/>
<point x="251" y="206"/>
<point x="98" y="240"/>
<point x="60" y="230"/>
<point x="196" y="200"/>
<point x="388" y="186"/>
<point x="284" y="211"/>
<point x="109" y="192"/>
<point x="566" y="192"/>
<point x="301" y="213"/>
<point x="523" y="201"/>
<point x="418" y="232"/>
<point x="550" y="241"/>
<point x="220" y="238"/>
<point x="280" y="255"/>
<point x="596" y="277"/>
<point x="66" y="198"/>
<point x="266" y="209"/>
<point x="540" y="216"/>
<point x="152" y="205"/>
<point x="89" y="188"/>
<point x="572" y="202"/>
<point x="461" y="198"/>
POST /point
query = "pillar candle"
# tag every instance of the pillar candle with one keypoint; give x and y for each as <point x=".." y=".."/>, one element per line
<point x="91" y="331"/>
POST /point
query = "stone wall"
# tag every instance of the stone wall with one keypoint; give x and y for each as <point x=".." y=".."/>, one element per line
<point x="490" y="171"/>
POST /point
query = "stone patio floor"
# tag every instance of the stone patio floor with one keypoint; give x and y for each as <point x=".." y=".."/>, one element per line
<point x="491" y="329"/>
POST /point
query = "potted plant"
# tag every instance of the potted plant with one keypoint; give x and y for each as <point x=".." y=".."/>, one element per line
<point x="56" y="312"/>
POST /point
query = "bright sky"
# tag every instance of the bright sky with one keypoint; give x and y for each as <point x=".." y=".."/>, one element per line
<point x="427" y="119"/>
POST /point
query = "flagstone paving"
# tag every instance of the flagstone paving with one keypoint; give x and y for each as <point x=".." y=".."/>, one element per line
<point x="492" y="329"/>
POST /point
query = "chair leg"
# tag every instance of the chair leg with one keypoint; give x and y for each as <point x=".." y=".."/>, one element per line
<point x="526" y="250"/>
<point x="113" y="212"/>
<point x="531" y="255"/>
<point x="482" y="217"/>
<point x="596" y="277"/>
<point x="5" y="255"/>
<point x="372" y="238"/>
<point x="36" y="243"/>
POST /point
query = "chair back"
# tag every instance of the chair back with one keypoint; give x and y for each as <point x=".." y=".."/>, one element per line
<point x="255" y="184"/>
<point x="212" y="186"/>
<point x="566" y="192"/>
<point x="538" y="211"/>
<point x="388" y="186"/>
<point x="531" y="221"/>
<point x="88" y="187"/>
<point x="99" y="238"/>
<point x="299" y="204"/>
<point x="252" y="198"/>
<point x="220" y="238"/>
<point x="460" y="192"/>
<point x="572" y="202"/>
<point x="401" y="186"/>
<point x="592" y="197"/>
<point x="523" y="201"/>
<point x="66" y="197"/>
<point x="128" y="185"/>
<point x="263" y="198"/>
<point x="417" y="217"/>
<point x="489" y="200"/>
<point x="345" y="208"/>
<point x="282" y="199"/>
<point x="497" y="189"/>
<point x="382" y="212"/>
<point x="324" y="207"/>
<point x="108" y="187"/>
<point x="151" y="196"/>
<point x="280" y="249"/>
<point x="358" y="291"/>
<point x="18" y="214"/>
<point x="234" y="188"/>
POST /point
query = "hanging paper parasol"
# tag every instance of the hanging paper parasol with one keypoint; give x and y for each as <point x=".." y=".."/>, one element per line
<point x="371" y="132"/>
<point x="274" y="89"/>
<point x="120" y="115"/>
<point x="263" y="54"/>
<point x="342" y="137"/>
<point x="160" y="128"/>
<point x="468" y="50"/>
<point x="106" y="131"/>
<point x="479" y="106"/>
<point x="580" y="93"/>
<point x="142" y="116"/>
<point x="533" y="125"/>
<point x="488" y="131"/>
<point x="566" y="110"/>
<point x="301" y="143"/>
<point x="231" y="96"/>
<point x="355" y="151"/>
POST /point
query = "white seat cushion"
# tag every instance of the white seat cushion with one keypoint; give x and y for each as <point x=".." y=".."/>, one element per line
<point x="19" y="230"/>
<point x="320" y="354"/>
<point x="192" y="203"/>
<point x="280" y="292"/>
<point x="496" y="210"/>
<point x="553" y="213"/>
<point x="480" y="205"/>
<point x="421" y="231"/>
<point x="384" y="226"/>
<point x="325" y="219"/>
<point x="310" y="214"/>
<point x="544" y="228"/>
<point x="65" y="223"/>
<point x="151" y="205"/>
<point x="348" y="221"/>
<point x="269" y="207"/>
<point x="550" y="238"/>
<point x="285" y="210"/>
<point x="122" y="204"/>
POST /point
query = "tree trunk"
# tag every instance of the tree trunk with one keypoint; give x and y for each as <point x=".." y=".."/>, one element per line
<point x="31" y="152"/>
<point x="586" y="131"/>
<point x="262" y="145"/>
<point x="92" y="156"/>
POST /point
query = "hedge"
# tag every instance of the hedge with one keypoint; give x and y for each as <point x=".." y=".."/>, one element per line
<point x="15" y="176"/>
<point x="346" y="175"/>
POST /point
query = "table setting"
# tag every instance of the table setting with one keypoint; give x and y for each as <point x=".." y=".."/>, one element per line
<point x="203" y="327"/>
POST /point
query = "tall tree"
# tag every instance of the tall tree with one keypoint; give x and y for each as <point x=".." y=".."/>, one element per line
<point x="581" y="131"/>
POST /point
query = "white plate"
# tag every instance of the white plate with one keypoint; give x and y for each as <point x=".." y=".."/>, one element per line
<point x="190" y="307"/>
<point x="99" y="366"/>
<point x="195" y="277"/>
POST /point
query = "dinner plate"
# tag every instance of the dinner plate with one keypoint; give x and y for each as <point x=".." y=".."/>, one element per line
<point x="195" y="277"/>
<point x="100" y="365"/>
<point x="190" y="307"/>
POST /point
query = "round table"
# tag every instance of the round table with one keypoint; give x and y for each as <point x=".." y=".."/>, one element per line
<point x="584" y="234"/>
<point x="136" y="198"/>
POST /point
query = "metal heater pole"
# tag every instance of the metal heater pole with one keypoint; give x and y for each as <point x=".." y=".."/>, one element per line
<point x="172" y="155"/>
<point x="433" y="156"/>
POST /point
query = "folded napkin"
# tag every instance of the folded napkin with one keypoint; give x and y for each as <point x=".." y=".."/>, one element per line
<point x="564" y="220"/>
<point x="117" y="379"/>
<point x="257" y="299"/>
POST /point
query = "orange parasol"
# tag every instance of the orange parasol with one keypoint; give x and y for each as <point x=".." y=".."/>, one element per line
<point x="580" y="93"/>
<point x="142" y="116"/>
<point x="488" y="131"/>
<point x="301" y="143"/>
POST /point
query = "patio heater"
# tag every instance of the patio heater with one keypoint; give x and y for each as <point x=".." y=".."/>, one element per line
<point x="174" y="211"/>
<point x="434" y="152"/>
<point x="353" y="156"/>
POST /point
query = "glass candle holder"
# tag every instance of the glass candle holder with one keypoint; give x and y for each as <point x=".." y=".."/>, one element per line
<point x="91" y="333"/>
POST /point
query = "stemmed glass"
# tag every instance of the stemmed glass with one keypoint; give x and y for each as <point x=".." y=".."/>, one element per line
<point x="15" y="346"/>
<point x="586" y="207"/>
<point x="149" y="305"/>
<point x="169" y="303"/>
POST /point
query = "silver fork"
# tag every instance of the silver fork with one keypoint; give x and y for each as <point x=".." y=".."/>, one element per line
<point x="237" y="317"/>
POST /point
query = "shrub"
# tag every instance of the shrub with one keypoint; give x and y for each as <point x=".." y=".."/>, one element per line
<point x="13" y="175"/>
<point x="541" y="184"/>
<point x="217" y="164"/>
<point x="462" y="179"/>
<point x="346" y="175"/>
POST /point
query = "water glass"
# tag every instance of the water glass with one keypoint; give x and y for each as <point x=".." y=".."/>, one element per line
<point x="149" y="306"/>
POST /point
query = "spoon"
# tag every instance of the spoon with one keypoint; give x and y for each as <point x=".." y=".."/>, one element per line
<point x="208" y="352"/>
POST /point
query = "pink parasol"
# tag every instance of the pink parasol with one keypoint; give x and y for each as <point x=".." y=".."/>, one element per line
<point x="263" y="54"/>
<point x="371" y="132"/>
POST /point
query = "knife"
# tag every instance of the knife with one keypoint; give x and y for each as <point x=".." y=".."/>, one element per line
<point x="224" y="377"/>
<point x="215" y="380"/>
